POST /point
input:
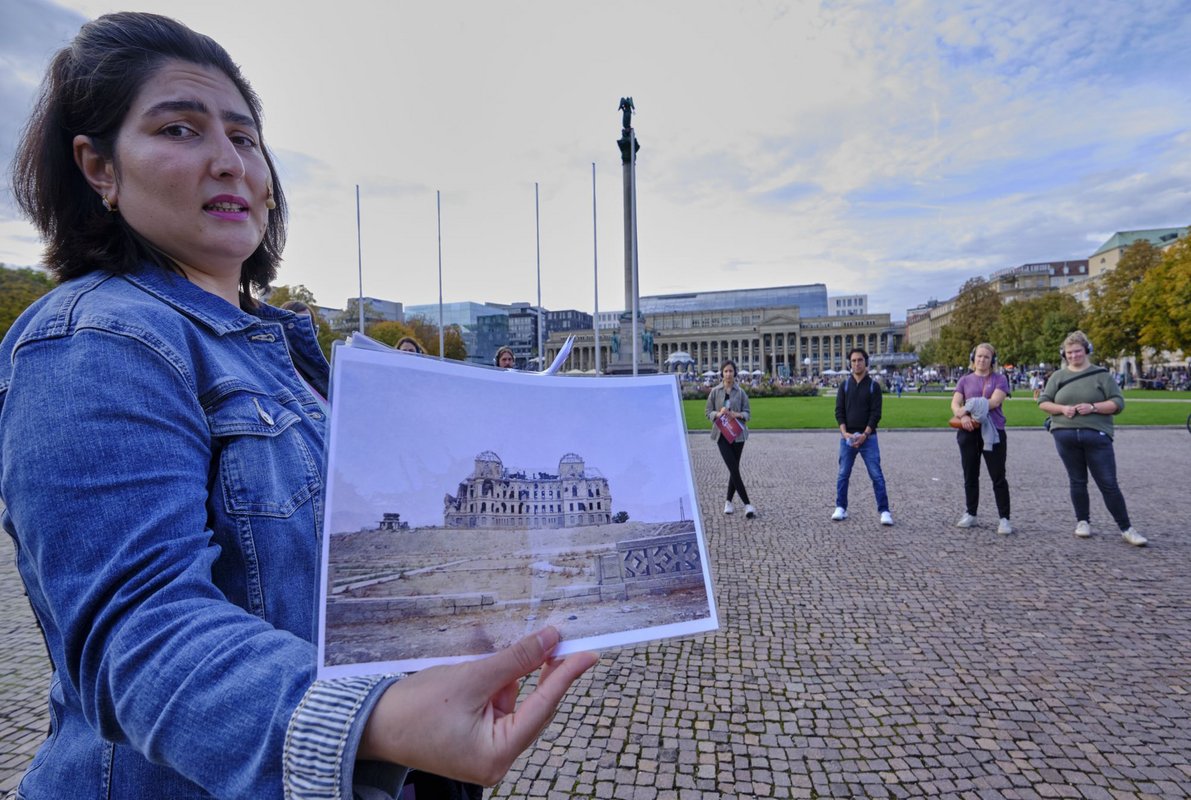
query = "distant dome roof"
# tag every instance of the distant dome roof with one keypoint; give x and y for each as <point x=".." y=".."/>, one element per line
<point x="488" y="455"/>
<point x="571" y="458"/>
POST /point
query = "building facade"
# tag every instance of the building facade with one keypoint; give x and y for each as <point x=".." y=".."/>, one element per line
<point x="467" y="316"/>
<point x="1108" y="255"/>
<point x="848" y="305"/>
<point x="774" y="341"/>
<point x="494" y="496"/>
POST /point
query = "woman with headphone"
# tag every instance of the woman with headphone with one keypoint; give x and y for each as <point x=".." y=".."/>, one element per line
<point x="1081" y="399"/>
<point x="977" y="403"/>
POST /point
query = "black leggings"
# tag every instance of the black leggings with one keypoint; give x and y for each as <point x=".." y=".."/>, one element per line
<point x="971" y="448"/>
<point x="731" y="453"/>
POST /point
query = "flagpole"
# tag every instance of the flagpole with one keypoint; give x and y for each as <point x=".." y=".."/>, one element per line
<point x="359" y="260"/>
<point x="441" y="332"/>
<point x="595" y="257"/>
<point x="538" y="238"/>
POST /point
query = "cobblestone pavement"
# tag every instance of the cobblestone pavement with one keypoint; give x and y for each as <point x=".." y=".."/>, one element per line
<point x="857" y="660"/>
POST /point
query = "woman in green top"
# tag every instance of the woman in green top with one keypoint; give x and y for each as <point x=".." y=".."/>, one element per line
<point x="1081" y="399"/>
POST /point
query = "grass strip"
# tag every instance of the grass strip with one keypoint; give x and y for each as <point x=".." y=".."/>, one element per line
<point x="818" y="413"/>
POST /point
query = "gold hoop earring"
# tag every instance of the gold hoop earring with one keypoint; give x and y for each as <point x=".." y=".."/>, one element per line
<point x="270" y="203"/>
<point x="108" y="205"/>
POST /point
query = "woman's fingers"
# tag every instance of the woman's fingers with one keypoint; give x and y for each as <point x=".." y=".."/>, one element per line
<point x="537" y="709"/>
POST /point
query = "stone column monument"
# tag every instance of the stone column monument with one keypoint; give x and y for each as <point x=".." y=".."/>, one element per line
<point x="632" y="345"/>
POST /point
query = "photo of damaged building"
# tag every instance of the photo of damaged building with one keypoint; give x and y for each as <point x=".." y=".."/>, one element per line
<point x="494" y="496"/>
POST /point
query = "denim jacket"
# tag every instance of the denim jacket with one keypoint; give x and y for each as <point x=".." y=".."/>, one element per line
<point x="162" y="466"/>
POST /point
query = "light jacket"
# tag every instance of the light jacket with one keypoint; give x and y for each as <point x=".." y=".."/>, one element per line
<point x="737" y="401"/>
<point x="162" y="466"/>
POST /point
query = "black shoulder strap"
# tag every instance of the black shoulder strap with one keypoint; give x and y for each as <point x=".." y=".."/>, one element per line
<point x="1085" y="374"/>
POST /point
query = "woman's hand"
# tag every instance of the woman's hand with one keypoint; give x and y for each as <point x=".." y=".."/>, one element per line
<point x="968" y="423"/>
<point x="1069" y="411"/>
<point x="462" y="721"/>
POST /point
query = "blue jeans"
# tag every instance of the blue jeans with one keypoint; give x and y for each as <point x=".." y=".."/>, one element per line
<point x="871" y="453"/>
<point x="1084" y="451"/>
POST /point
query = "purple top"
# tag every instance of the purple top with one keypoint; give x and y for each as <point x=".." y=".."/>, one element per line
<point x="973" y="385"/>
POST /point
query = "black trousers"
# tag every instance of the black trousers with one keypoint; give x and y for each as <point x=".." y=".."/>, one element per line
<point x="427" y="786"/>
<point x="971" y="448"/>
<point x="731" y="453"/>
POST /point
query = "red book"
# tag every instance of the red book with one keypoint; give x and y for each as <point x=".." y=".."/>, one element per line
<point x="730" y="427"/>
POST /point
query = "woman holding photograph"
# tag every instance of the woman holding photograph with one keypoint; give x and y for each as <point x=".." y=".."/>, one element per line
<point x="728" y="401"/>
<point x="161" y="461"/>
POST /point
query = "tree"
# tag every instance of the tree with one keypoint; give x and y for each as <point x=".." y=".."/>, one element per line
<point x="620" y="516"/>
<point x="977" y="307"/>
<point x="426" y="332"/>
<point x="1113" y="326"/>
<point x="1028" y="332"/>
<point x="283" y="294"/>
<point x="326" y="335"/>
<point x="1162" y="301"/>
<point x="928" y="353"/>
<point x="18" y="289"/>
<point x="390" y="332"/>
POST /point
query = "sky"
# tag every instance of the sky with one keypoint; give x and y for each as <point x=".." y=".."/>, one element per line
<point x="894" y="149"/>
<point x="630" y="432"/>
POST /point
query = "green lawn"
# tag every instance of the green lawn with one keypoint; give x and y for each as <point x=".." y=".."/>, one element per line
<point x="789" y="413"/>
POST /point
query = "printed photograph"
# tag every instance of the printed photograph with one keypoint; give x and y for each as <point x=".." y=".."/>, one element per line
<point x="467" y="506"/>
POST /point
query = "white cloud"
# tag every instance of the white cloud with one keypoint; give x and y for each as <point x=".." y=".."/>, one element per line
<point x="890" y="148"/>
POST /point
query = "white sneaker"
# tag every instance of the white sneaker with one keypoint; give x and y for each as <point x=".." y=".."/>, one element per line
<point x="840" y="513"/>
<point x="728" y="507"/>
<point x="1005" y="526"/>
<point x="966" y="521"/>
<point x="1082" y="529"/>
<point x="749" y="511"/>
<point x="1134" y="538"/>
<point x="886" y="518"/>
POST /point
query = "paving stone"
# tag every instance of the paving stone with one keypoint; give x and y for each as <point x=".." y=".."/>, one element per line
<point x="859" y="660"/>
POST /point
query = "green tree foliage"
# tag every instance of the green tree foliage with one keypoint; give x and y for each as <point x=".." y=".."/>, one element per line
<point x="326" y="335"/>
<point x="1028" y="332"/>
<point x="425" y="332"/>
<point x="283" y="294"/>
<point x="1111" y="323"/>
<point x="391" y="332"/>
<point x="18" y="289"/>
<point x="1162" y="301"/>
<point x="928" y="353"/>
<point x="620" y="517"/>
<point x="977" y="307"/>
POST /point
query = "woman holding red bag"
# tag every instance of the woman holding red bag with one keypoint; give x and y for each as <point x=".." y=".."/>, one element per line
<point x="727" y="404"/>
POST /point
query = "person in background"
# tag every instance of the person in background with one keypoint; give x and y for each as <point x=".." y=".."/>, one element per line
<point x="858" y="412"/>
<point x="161" y="462"/>
<point x="296" y="306"/>
<point x="408" y="344"/>
<point x="504" y="358"/>
<point x="977" y="401"/>
<point x="728" y="399"/>
<point x="1082" y="399"/>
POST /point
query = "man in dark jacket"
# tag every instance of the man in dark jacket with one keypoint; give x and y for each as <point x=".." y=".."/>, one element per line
<point x="858" y="410"/>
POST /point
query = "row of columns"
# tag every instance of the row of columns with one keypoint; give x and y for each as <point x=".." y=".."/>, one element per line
<point x="766" y="352"/>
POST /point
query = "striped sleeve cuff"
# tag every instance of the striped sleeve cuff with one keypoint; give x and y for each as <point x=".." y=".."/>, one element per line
<point x="324" y="734"/>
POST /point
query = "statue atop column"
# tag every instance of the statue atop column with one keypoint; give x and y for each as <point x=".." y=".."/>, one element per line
<point x="632" y="350"/>
<point x="626" y="130"/>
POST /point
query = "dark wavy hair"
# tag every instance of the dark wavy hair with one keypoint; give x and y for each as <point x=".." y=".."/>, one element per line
<point x="88" y="91"/>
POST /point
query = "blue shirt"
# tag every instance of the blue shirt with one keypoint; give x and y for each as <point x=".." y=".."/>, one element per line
<point x="162" y="465"/>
